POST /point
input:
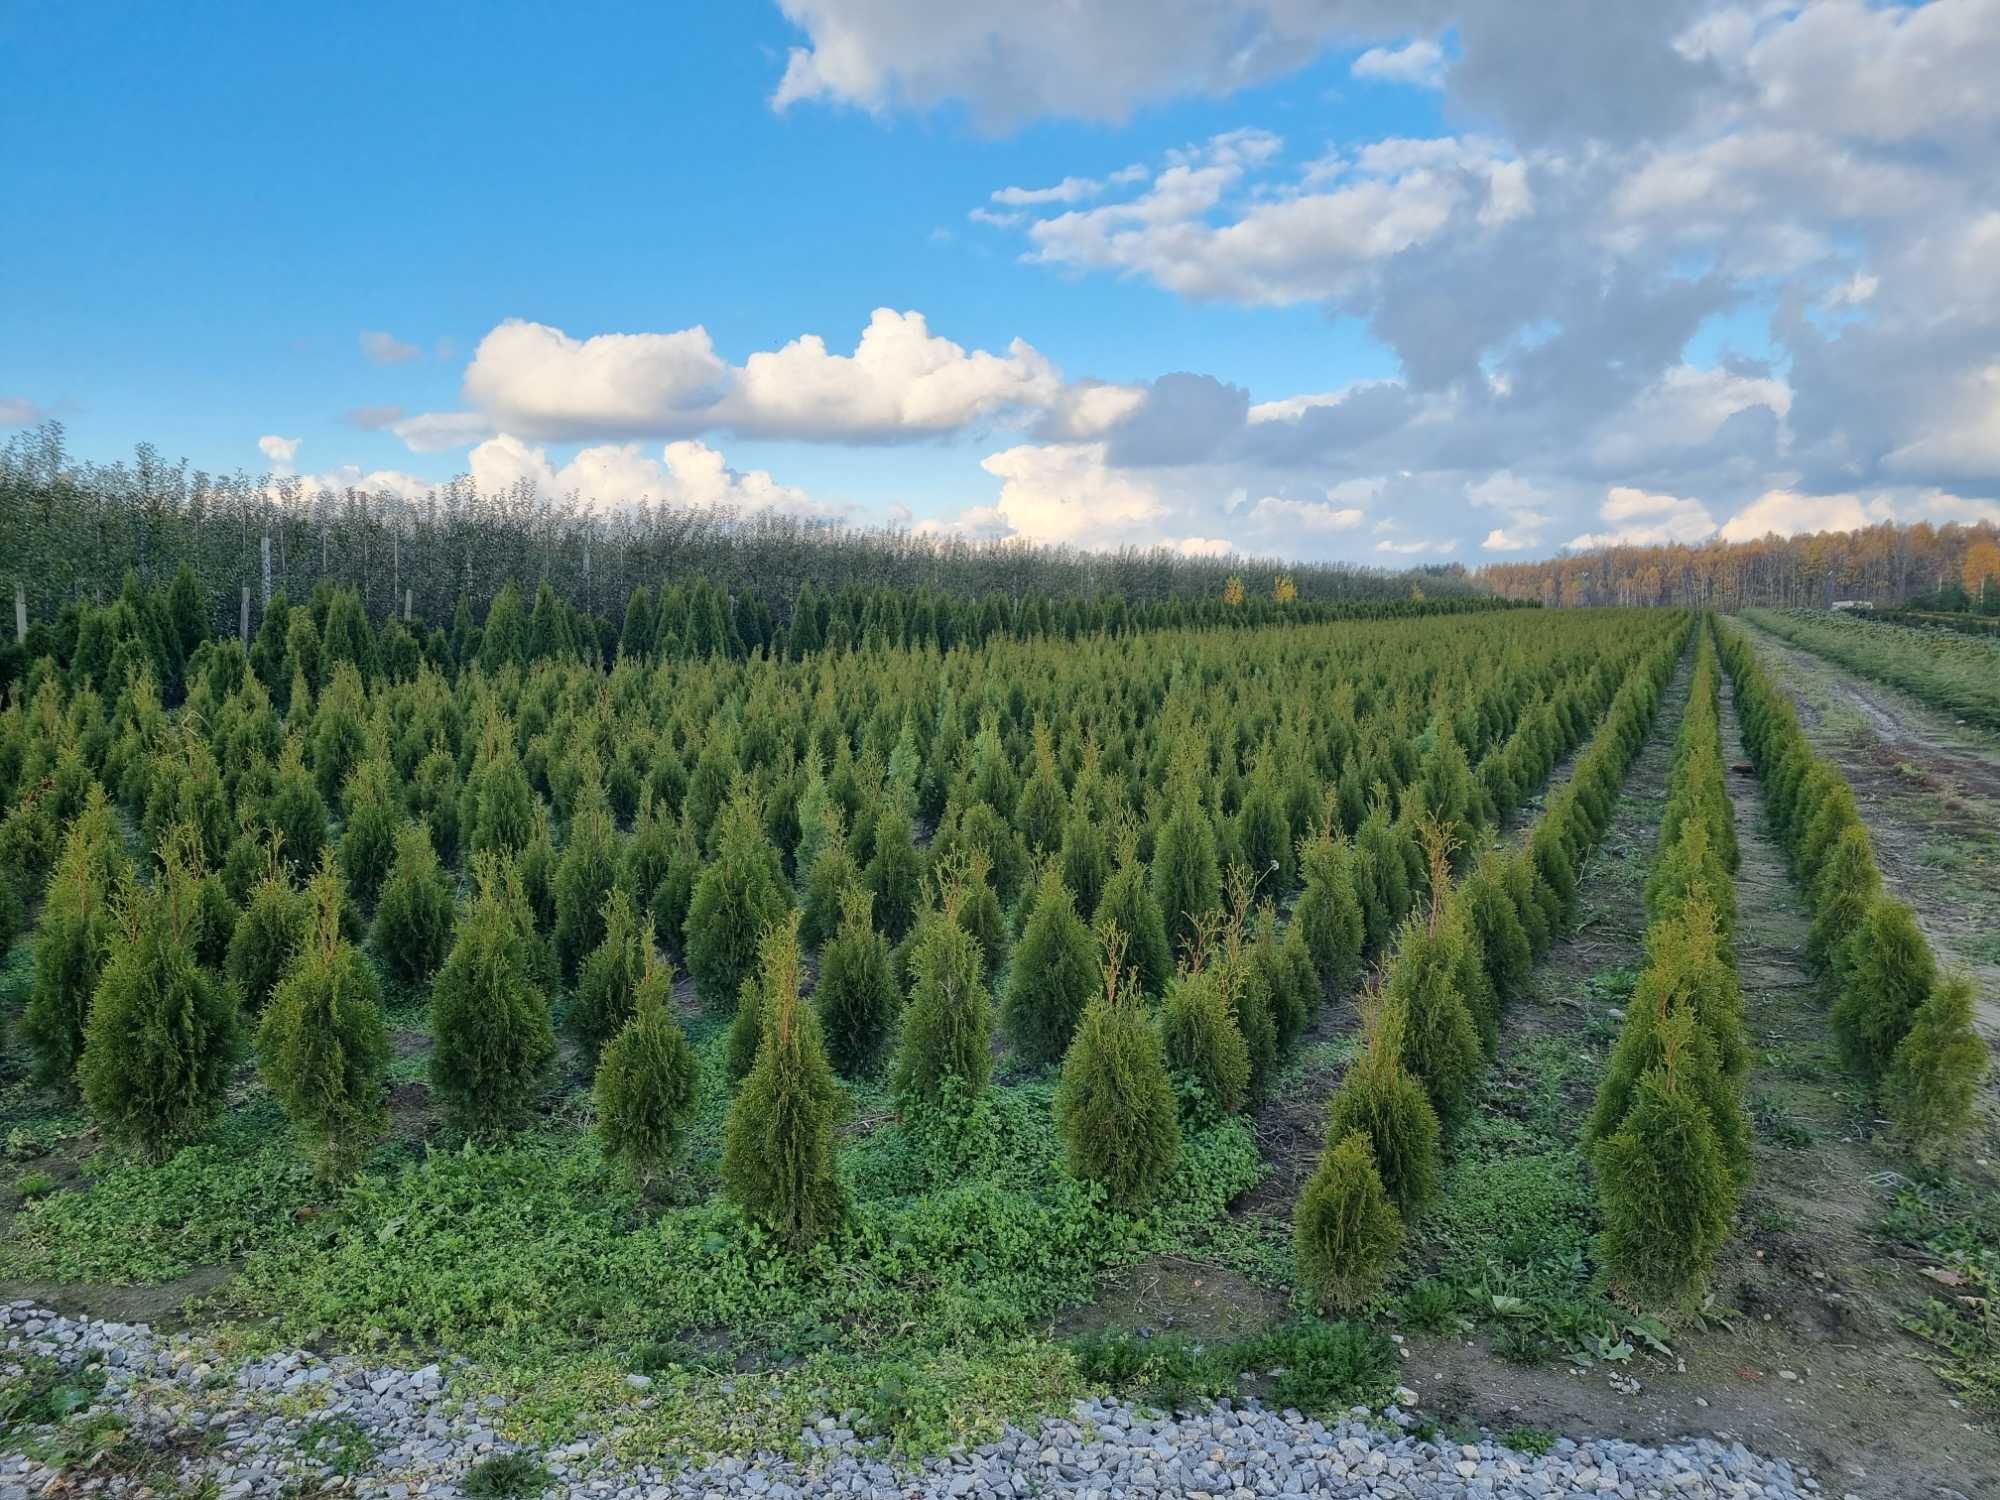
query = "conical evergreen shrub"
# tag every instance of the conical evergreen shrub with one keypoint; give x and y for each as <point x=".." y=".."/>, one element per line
<point x="1206" y="1053"/>
<point x="1346" y="1232"/>
<point x="895" y="874"/>
<point x="413" y="914"/>
<point x="1440" y="1042"/>
<point x="1055" y="972"/>
<point x="856" y="994"/>
<point x="1889" y="979"/>
<point x="1849" y="884"/>
<point x="740" y="893"/>
<point x="270" y="933"/>
<point x="368" y="835"/>
<point x="1187" y="880"/>
<point x="778" y="1142"/>
<point x="979" y="910"/>
<point x="163" y="1034"/>
<point x="489" y="1019"/>
<point x="826" y="885"/>
<point x="73" y="940"/>
<point x="646" y="1082"/>
<point x="948" y="1024"/>
<point x="323" y="1047"/>
<point x="1379" y="1097"/>
<point x="1936" y="1071"/>
<point x="294" y="809"/>
<point x="585" y="874"/>
<point x="1128" y="906"/>
<point x="1328" y="911"/>
<point x="1382" y="876"/>
<point x="1115" y="1104"/>
<point x="746" y="1029"/>
<point x="1496" y="923"/>
<point x="1085" y="860"/>
<point x="1665" y="1192"/>
<point x="608" y="985"/>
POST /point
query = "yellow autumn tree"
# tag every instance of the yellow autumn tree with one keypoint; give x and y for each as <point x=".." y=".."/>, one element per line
<point x="1285" y="589"/>
<point x="1232" y="591"/>
<point x="1982" y="562"/>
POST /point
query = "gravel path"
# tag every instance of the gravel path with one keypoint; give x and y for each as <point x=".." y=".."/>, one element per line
<point x="268" y="1427"/>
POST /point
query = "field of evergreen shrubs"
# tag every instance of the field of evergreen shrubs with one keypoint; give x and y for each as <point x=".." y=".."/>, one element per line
<point x="846" y="1004"/>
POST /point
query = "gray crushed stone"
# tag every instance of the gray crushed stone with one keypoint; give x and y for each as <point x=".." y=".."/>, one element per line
<point x="233" y="1430"/>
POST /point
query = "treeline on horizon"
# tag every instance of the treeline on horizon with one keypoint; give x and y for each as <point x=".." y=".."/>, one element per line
<point x="1921" y="565"/>
<point x="162" y="628"/>
<point x="72" y="530"/>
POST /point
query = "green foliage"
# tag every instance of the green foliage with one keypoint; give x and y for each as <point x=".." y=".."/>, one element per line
<point x="268" y="936"/>
<point x="1936" y="1071"/>
<point x="1115" y="1105"/>
<point x="1187" y="880"/>
<point x="1890" y="978"/>
<point x="856" y="995"/>
<point x="646" y="1082"/>
<point x="895" y="874"/>
<point x="828" y="878"/>
<point x="778" y="1148"/>
<point x="740" y="893"/>
<point x="506" y="1476"/>
<point x="76" y="935"/>
<point x="1347" y="1232"/>
<point x="1054" y="974"/>
<point x="413" y="914"/>
<point x="163" y="1033"/>
<point x="584" y="877"/>
<point x="368" y="837"/>
<point x="489" y="1020"/>
<point x="1848" y="885"/>
<point x="948" y="1023"/>
<point x="1440" y="1041"/>
<point x="1379" y="1097"/>
<point x="1665" y="1190"/>
<point x="1206" y="1052"/>
<point x="1328" y="912"/>
<point x="606" y="990"/>
<point x="1128" y="906"/>
<point x="322" y="1046"/>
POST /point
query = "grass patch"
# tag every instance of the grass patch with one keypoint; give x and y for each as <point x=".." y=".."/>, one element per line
<point x="1959" y="1230"/>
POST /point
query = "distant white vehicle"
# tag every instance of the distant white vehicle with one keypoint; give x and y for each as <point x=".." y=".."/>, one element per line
<point x="1854" y="604"/>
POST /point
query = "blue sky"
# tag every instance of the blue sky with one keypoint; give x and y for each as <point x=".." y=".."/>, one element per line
<point x="222" y="200"/>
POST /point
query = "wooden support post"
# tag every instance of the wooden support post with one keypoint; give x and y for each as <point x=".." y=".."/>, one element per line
<point x="20" y="613"/>
<point x="267" y="570"/>
<point x="243" y="625"/>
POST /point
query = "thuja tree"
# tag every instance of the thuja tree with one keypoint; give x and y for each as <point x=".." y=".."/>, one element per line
<point x="1936" y="1071"/>
<point x="1379" y="1097"/>
<point x="856" y="994"/>
<point x="608" y="986"/>
<point x="778" y="1142"/>
<point x="1054" y="974"/>
<point x="1115" y="1105"/>
<point x="163" y="1034"/>
<point x="1128" y="906"/>
<point x="413" y="914"/>
<point x="268" y="936"/>
<point x="1187" y="879"/>
<point x="373" y="813"/>
<point x="895" y="873"/>
<point x="740" y="893"/>
<point x="75" y="937"/>
<point x="493" y="1039"/>
<point x="323" y="1047"/>
<point x="1664" y="1187"/>
<point x="646" y="1082"/>
<point x="1346" y="1231"/>
<point x="584" y="877"/>
<point x="1889" y="978"/>
<point x="1206" y="1052"/>
<point x="948" y="1024"/>
<point x="1328" y="911"/>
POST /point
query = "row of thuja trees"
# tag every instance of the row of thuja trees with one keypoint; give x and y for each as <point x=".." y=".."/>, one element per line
<point x="162" y="624"/>
<point x="519" y="847"/>
<point x="1432" y="1026"/>
<point x="1904" y="1025"/>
